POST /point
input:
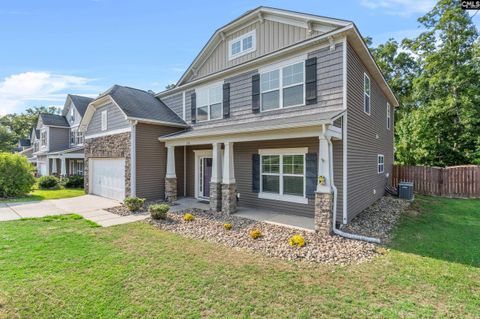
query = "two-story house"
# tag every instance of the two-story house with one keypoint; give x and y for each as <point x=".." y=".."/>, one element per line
<point x="280" y="110"/>
<point x="58" y="145"/>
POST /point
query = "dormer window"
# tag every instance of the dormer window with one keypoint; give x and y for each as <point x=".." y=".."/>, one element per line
<point x="242" y="45"/>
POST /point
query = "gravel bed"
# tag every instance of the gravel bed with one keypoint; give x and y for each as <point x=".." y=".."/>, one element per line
<point x="379" y="219"/>
<point x="123" y="211"/>
<point x="274" y="243"/>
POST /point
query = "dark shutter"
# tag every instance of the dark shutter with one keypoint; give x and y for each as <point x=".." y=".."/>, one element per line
<point x="311" y="80"/>
<point x="256" y="93"/>
<point x="256" y="173"/>
<point x="226" y="100"/>
<point x="311" y="175"/>
<point x="194" y="107"/>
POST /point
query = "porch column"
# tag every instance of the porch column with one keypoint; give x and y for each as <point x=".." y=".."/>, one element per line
<point x="171" y="177"/>
<point x="54" y="166"/>
<point x="323" y="194"/>
<point x="63" y="167"/>
<point x="229" y="185"/>
<point x="216" y="180"/>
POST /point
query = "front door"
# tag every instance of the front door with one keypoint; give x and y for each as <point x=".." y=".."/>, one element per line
<point x="205" y="175"/>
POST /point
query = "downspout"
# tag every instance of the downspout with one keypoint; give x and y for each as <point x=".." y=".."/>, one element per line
<point x="332" y="185"/>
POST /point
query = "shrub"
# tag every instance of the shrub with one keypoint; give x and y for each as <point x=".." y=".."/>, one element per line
<point x="228" y="226"/>
<point x="159" y="211"/>
<point x="255" y="233"/>
<point x="188" y="217"/>
<point x="16" y="175"/>
<point x="296" y="240"/>
<point x="73" y="181"/>
<point x="134" y="204"/>
<point x="48" y="182"/>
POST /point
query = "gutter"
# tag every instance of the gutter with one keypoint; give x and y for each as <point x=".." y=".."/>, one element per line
<point x="335" y="230"/>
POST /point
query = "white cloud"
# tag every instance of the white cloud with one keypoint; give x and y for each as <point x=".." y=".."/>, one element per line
<point x="18" y="89"/>
<point x="400" y="7"/>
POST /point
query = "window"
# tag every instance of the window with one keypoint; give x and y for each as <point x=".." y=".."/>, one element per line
<point x="242" y="45"/>
<point x="72" y="115"/>
<point x="76" y="137"/>
<point x="366" y="94"/>
<point x="209" y="102"/>
<point x="283" y="87"/>
<point x="79" y="167"/>
<point x="380" y="164"/>
<point x="43" y="138"/>
<point x="388" y="116"/>
<point x="104" y="120"/>
<point x="283" y="175"/>
<point x="72" y="137"/>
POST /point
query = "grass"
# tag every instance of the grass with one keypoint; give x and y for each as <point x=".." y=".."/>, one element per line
<point x="42" y="194"/>
<point x="64" y="267"/>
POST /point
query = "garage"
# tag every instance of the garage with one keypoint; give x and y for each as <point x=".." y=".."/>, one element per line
<point x="107" y="177"/>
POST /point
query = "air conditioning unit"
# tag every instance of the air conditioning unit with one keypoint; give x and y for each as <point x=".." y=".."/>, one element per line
<point x="405" y="190"/>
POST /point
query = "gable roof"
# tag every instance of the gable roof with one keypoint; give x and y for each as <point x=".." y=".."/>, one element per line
<point x="305" y="20"/>
<point x="80" y="102"/>
<point x="137" y="105"/>
<point x="54" y="120"/>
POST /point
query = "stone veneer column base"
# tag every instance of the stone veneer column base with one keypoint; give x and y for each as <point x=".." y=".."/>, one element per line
<point x="229" y="198"/>
<point x="170" y="189"/>
<point x="215" y="196"/>
<point x="323" y="213"/>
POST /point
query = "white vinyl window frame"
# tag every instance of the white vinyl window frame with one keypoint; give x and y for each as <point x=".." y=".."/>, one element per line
<point x="389" y="117"/>
<point x="43" y="138"/>
<point x="367" y="92"/>
<point x="280" y="66"/>
<point x="281" y="153"/>
<point x="72" y="115"/>
<point x="209" y="101"/>
<point x="380" y="164"/>
<point x="240" y="42"/>
<point x="104" y="120"/>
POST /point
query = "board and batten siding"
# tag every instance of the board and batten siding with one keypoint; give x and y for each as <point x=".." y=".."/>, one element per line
<point x="270" y="36"/>
<point x="151" y="161"/>
<point x="115" y="120"/>
<point x="58" y="138"/>
<point x="367" y="136"/>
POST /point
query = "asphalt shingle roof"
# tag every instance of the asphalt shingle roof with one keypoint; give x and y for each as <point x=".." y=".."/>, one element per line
<point x="54" y="120"/>
<point x="142" y="105"/>
<point x="81" y="103"/>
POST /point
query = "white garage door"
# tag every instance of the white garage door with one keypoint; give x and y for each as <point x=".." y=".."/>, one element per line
<point x="108" y="178"/>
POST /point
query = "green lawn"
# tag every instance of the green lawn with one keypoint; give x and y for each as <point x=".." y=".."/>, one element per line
<point x="42" y="194"/>
<point x="63" y="267"/>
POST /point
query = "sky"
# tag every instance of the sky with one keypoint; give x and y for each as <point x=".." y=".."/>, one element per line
<point x="50" y="48"/>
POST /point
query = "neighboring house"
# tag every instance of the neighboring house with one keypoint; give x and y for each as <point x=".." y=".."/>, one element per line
<point x="25" y="148"/>
<point x="59" y="145"/>
<point x="278" y="111"/>
<point x="123" y="156"/>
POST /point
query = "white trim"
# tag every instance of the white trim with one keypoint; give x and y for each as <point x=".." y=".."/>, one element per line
<point x="133" y="160"/>
<point x="389" y="117"/>
<point x="184" y="105"/>
<point x="283" y="151"/>
<point x="199" y="154"/>
<point x="208" y="105"/>
<point x="283" y="198"/>
<point x="118" y="131"/>
<point x="345" y="167"/>
<point x="150" y="121"/>
<point x="104" y="120"/>
<point x="184" y="171"/>
<point x="365" y="77"/>
<point x="283" y="63"/>
<point x="345" y="70"/>
<point x="380" y="156"/>
<point x="240" y="39"/>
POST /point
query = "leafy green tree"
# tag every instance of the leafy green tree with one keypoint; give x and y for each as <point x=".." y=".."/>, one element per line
<point x="6" y="139"/>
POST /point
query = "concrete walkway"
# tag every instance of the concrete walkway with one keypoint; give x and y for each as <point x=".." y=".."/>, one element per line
<point x="88" y="206"/>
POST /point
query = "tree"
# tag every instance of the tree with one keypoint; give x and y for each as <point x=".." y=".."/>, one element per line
<point x="170" y="86"/>
<point x="6" y="139"/>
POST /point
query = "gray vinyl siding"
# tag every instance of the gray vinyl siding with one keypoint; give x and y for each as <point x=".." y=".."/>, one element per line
<point x="77" y="117"/>
<point x="329" y="92"/>
<point x="270" y="36"/>
<point x="151" y="161"/>
<point x="367" y="136"/>
<point x="338" y="176"/>
<point x="58" y="138"/>
<point x="115" y="120"/>
<point x="175" y="102"/>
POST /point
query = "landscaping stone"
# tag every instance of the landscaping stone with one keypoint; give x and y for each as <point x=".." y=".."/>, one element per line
<point x="123" y="211"/>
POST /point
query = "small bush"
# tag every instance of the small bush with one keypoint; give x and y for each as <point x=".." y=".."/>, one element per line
<point x="255" y="233"/>
<point x="188" y="217"/>
<point x="134" y="204"/>
<point x="159" y="211"/>
<point x="296" y="240"/>
<point x="228" y="226"/>
<point x="48" y="182"/>
<point x="16" y="175"/>
<point x="73" y="181"/>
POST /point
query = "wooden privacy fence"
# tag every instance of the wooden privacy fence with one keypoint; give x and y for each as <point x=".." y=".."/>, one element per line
<point x="454" y="181"/>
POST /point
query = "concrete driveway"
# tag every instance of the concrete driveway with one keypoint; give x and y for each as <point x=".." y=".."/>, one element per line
<point x="89" y="206"/>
